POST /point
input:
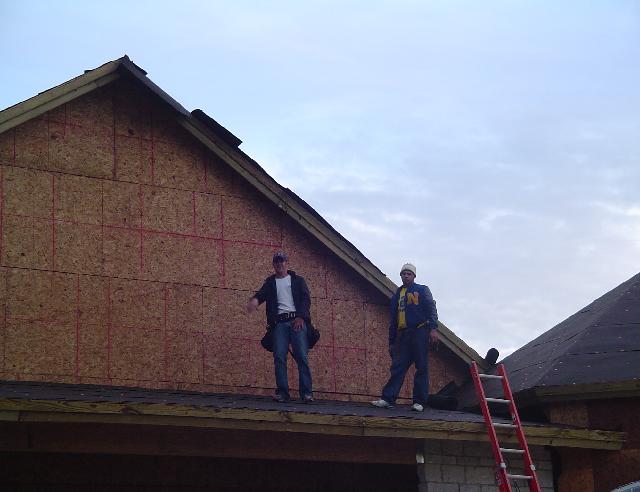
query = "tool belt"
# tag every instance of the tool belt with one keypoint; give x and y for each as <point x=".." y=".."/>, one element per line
<point x="286" y="316"/>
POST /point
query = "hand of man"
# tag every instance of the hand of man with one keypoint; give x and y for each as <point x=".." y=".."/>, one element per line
<point x="298" y="323"/>
<point x="433" y="337"/>
<point x="252" y="305"/>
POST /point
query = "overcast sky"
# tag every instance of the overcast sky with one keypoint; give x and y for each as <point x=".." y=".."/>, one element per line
<point x="494" y="144"/>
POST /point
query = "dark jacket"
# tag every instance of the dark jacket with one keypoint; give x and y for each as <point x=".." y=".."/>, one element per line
<point x="299" y="290"/>
<point x="420" y="310"/>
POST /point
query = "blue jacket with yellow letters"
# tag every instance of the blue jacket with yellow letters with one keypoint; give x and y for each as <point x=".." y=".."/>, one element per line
<point x="420" y="310"/>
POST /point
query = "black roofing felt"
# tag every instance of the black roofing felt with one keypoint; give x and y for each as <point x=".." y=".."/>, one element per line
<point x="598" y="344"/>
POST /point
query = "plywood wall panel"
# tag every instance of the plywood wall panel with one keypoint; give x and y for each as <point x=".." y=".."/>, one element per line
<point x="132" y="111"/>
<point x="37" y="347"/>
<point x="225" y="315"/>
<point x="92" y="109"/>
<point x="93" y="341"/>
<point x="77" y="199"/>
<point x="348" y="324"/>
<point x="208" y="218"/>
<point x="122" y="251"/>
<point x="322" y="318"/>
<point x="137" y="354"/>
<point x="188" y="260"/>
<point x="135" y="303"/>
<point x="32" y="144"/>
<point x="311" y="267"/>
<point x="168" y="210"/>
<point x="122" y="204"/>
<point x="322" y="368"/>
<point x="350" y="370"/>
<point x="7" y="147"/>
<point x="228" y="369"/>
<point x="218" y="177"/>
<point x="179" y="166"/>
<point x="342" y="283"/>
<point x="251" y="221"/>
<point x="27" y="192"/>
<point x="86" y="151"/>
<point x="246" y="266"/>
<point x="185" y="307"/>
<point x="78" y="248"/>
<point x="27" y="242"/>
<point x="185" y="352"/>
<point x="133" y="159"/>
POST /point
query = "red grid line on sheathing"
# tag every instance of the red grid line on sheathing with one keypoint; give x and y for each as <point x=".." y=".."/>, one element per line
<point x="141" y="197"/>
<point x="366" y="359"/>
<point x="221" y="261"/>
<point x="202" y="332"/>
<point x="333" y="348"/>
<point x="153" y="148"/>
<point x="53" y="222"/>
<point x="165" y="334"/>
<point x="109" y="327"/>
<point x="1" y="211"/>
<point x="193" y="199"/>
<point x="77" y="360"/>
<point x="113" y="106"/>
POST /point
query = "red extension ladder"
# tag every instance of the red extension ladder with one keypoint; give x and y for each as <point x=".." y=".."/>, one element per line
<point x="502" y="476"/>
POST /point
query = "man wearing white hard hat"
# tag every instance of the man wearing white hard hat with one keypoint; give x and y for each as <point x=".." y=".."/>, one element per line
<point x="414" y="320"/>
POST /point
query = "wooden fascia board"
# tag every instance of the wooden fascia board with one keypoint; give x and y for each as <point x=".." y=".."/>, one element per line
<point x="284" y="421"/>
<point x="51" y="99"/>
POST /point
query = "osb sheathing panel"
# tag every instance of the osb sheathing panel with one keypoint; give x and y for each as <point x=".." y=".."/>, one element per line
<point x="251" y="221"/>
<point x="40" y="322"/>
<point x="168" y="210"/>
<point x="133" y="159"/>
<point x="189" y="260"/>
<point x="154" y="246"/>
<point x="7" y="147"/>
<point x="78" y="248"/>
<point x="27" y="242"/>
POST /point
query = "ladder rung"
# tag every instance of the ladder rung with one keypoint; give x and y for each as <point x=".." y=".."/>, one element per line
<point x="506" y="426"/>
<point x="489" y="376"/>
<point x="511" y="450"/>
<point x="498" y="400"/>
<point x="519" y="477"/>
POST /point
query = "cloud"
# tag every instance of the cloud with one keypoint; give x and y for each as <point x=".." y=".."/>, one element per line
<point x="486" y="223"/>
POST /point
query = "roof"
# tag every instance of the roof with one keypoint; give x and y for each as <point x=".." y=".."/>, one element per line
<point x="224" y="144"/>
<point x="592" y="354"/>
<point x="51" y="402"/>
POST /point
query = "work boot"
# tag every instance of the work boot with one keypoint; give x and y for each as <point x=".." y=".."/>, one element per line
<point x="417" y="407"/>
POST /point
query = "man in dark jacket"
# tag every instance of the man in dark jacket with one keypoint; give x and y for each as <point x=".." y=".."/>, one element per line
<point x="288" y="316"/>
<point x="414" y="320"/>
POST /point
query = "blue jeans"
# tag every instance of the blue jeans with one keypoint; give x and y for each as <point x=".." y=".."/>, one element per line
<point x="283" y="335"/>
<point x="411" y="347"/>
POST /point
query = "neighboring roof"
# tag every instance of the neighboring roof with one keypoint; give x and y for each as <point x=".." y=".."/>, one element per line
<point x="593" y="354"/>
<point x="225" y="145"/>
<point x="50" y="402"/>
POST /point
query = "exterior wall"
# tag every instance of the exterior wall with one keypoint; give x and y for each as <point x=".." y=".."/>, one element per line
<point x="461" y="466"/>
<point x="128" y="252"/>
<point x="590" y="470"/>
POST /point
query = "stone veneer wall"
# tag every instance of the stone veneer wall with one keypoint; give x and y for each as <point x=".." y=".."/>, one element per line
<point x="461" y="466"/>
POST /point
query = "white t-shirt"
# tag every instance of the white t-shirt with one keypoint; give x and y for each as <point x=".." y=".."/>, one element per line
<point x="285" y="296"/>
